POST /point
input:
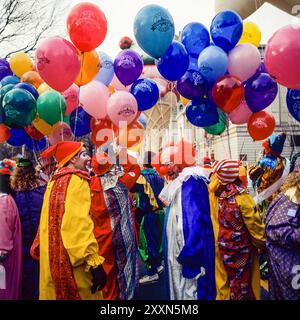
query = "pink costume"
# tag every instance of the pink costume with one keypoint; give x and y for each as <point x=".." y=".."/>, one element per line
<point x="10" y="242"/>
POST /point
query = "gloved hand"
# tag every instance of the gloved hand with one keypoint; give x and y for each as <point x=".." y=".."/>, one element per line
<point x="99" y="278"/>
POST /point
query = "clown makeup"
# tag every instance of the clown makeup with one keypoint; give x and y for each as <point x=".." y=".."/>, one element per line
<point x="82" y="161"/>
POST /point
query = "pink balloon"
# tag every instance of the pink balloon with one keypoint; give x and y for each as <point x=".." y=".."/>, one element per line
<point x="243" y="61"/>
<point x="71" y="97"/>
<point x="57" y="62"/>
<point x="93" y="98"/>
<point x="122" y="107"/>
<point x="118" y="85"/>
<point x="61" y="132"/>
<point x="241" y="114"/>
<point x="282" y="56"/>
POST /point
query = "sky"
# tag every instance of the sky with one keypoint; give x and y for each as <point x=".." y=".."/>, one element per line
<point x="120" y="15"/>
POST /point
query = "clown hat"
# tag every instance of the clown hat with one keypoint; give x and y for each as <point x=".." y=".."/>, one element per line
<point x="63" y="151"/>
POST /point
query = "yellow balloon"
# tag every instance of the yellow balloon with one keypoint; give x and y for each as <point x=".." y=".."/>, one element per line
<point x="90" y="66"/>
<point x="42" y="126"/>
<point x="43" y="88"/>
<point x="20" y="63"/>
<point x="251" y="34"/>
<point x="184" y="100"/>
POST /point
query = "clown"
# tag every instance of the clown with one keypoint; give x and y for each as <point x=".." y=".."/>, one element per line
<point x="70" y="267"/>
<point x="270" y="171"/>
<point x="114" y="223"/>
<point x="10" y="237"/>
<point x="238" y="231"/>
<point x="189" y="239"/>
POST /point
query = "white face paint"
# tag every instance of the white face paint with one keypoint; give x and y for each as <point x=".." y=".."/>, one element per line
<point x="82" y="161"/>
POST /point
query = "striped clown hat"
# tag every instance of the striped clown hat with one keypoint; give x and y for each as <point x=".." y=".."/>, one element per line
<point x="227" y="171"/>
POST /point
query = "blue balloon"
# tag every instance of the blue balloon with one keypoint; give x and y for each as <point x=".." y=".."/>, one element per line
<point x="193" y="63"/>
<point x="106" y="72"/>
<point x="80" y="122"/>
<point x="4" y="90"/>
<point x="192" y="85"/>
<point x="2" y="115"/>
<point x="9" y="80"/>
<point x="28" y="87"/>
<point x="202" y="113"/>
<point x="212" y="63"/>
<point x="293" y="103"/>
<point x="142" y="119"/>
<point x="173" y="64"/>
<point x="154" y="30"/>
<point x="146" y="93"/>
<point x="195" y="37"/>
<point x="226" y="29"/>
<point x="36" y="145"/>
<point x="18" y="137"/>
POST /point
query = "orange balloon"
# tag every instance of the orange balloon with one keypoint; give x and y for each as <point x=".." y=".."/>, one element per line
<point x="90" y="66"/>
<point x="261" y="125"/>
<point x="111" y="89"/>
<point x="4" y="133"/>
<point x="131" y="135"/>
<point x="33" y="78"/>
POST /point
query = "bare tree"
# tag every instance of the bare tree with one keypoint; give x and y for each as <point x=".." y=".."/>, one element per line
<point x="24" y="22"/>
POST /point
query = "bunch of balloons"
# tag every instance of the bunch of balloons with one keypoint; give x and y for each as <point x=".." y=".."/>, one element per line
<point x="218" y="72"/>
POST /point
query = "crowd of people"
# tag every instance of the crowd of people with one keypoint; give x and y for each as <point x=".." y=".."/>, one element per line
<point x="80" y="229"/>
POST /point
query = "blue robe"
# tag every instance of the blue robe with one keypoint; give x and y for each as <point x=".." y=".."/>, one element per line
<point x="189" y="238"/>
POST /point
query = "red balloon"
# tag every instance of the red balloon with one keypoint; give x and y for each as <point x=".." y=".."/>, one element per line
<point x="228" y="93"/>
<point x="125" y="43"/>
<point x="261" y="125"/>
<point x="103" y="131"/>
<point x="4" y="133"/>
<point x="33" y="132"/>
<point x="87" y="26"/>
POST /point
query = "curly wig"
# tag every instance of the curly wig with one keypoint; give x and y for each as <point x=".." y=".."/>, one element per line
<point x="25" y="179"/>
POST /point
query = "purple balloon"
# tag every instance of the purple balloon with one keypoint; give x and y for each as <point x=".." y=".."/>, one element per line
<point x="4" y="69"/>
<point x="262" y="68"/>
<point x="4" y="62"/>
<point x="260" y="91"/>
<point x="128" y="66"/>
<point x="192" y="85"/>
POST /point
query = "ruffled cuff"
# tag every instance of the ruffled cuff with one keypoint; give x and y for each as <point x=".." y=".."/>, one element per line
<point x="93" y="261"/>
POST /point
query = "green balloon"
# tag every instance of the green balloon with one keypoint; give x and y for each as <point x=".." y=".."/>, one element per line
<point x="19" y="107"/>
<point x="4" y="90"/>
<point x="51" y="107"/>
<point x="218" y="128"/>
<point x="67" y="119"/>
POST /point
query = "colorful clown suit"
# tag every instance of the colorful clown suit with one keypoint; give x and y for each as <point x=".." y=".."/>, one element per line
<point x="238" y="231"/>
<point x="189" y="238"/>
<point x="270" y="171"/>
<point x="114" y="226"/>
<point x="149" y="210"/>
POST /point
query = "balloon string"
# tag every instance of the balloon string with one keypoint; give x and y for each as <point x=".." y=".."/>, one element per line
<point x="78" y="102"/>
<point x="228" y="140"/>
<point x="61" y="116"/>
